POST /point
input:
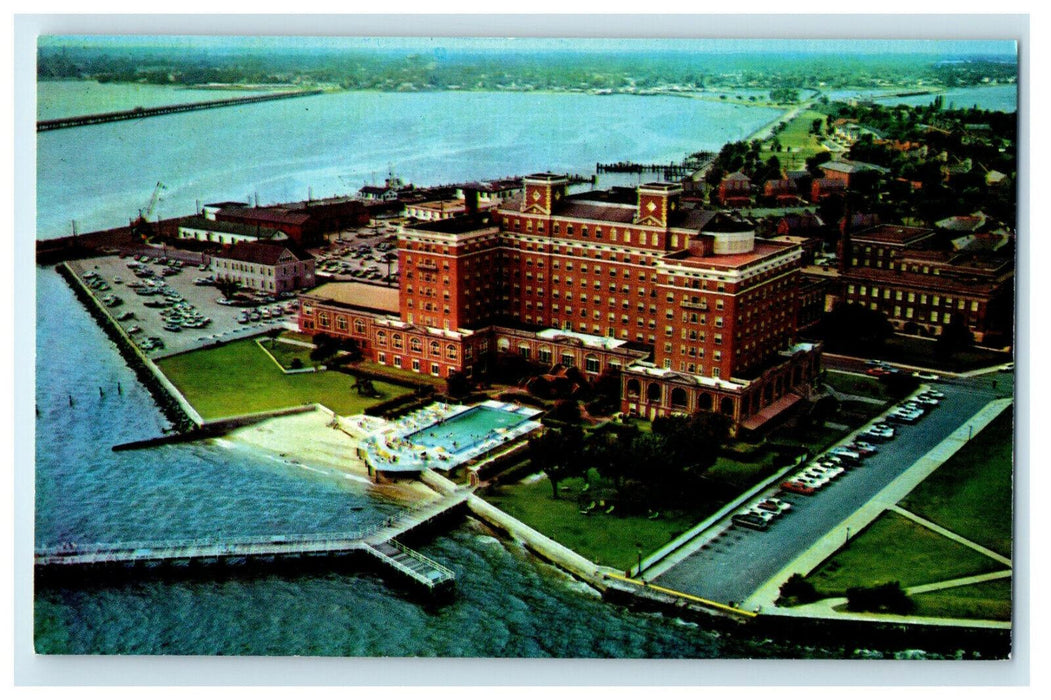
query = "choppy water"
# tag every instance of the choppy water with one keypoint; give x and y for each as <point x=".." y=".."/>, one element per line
<point x="507" y="603"/>
<point x="88" y="493"/>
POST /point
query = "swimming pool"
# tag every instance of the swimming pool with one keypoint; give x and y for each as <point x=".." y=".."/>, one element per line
<point x="466" y="430"/>
<point x="443" y="436"/>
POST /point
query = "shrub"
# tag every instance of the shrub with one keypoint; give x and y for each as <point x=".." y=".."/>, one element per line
<point x="797" y="590"/>
<point x="885" y="597"/>
<point x="296" y="363"/>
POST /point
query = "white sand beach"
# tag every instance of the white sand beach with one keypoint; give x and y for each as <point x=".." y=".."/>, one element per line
<point x="310" y="439"/>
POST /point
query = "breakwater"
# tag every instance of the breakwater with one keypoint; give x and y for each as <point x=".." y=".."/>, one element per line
<point x="141" y="112"/>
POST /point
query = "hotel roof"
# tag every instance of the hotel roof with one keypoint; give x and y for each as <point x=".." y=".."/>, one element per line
<point x="357" y="295"/>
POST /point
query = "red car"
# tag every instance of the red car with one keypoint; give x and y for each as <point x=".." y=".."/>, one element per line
<point x="798" y="487"/>
<point x="877" y="372"/>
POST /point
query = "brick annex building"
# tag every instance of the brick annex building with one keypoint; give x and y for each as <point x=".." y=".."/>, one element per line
<point x="691" y="309"/>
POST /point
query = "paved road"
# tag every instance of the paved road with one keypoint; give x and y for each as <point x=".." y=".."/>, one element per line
<point x="740" y="560"/>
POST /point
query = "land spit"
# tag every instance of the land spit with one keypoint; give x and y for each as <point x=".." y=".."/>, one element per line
<point x="314" y="439"/>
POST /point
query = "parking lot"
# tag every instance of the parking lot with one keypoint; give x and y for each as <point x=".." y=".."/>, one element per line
<point x="735" y="560"/>
<point x="367" y="254"/>
<point x="167" y="313"/>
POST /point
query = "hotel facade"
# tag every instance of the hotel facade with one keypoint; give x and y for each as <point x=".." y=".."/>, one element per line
<point x="687" y="305"/>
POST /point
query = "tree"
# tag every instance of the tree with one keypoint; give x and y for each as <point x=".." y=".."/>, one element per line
<point x="886" y="597"/>
<point x="557" y="452"/>
<point x="692" y="443"/>
<point x="227" y="287"/>
<point x="854" y="328"/>
<point x="364" y="387"/>
<point x="955" y="336"/>
<point x="798" y="590"/>
<point x="457" y="385"/>
<point x="273" y="334"/>
<point x="325" y="346"/>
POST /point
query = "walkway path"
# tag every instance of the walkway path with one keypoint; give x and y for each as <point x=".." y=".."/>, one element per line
<point x="767" y="594"/>
<point x="951" y="535"/>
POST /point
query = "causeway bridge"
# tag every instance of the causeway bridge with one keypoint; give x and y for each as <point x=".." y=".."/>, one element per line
<point x="142" y="112"/>
<point x="377" y="544"/>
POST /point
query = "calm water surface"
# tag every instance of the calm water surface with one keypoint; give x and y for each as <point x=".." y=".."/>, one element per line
<point x="325" y="145"/>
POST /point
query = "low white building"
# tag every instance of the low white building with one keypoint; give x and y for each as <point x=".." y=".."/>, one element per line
<point x="267" y="267"/>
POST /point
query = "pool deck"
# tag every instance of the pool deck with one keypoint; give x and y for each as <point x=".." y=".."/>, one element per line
<point x="389" y="447"/>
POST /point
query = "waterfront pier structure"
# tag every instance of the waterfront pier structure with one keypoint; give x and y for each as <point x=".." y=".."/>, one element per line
<point x="377" y="543"/>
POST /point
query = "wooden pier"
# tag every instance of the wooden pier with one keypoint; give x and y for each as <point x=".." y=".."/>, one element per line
<point x="142" y="112"/>
<point x="378" y="543"/>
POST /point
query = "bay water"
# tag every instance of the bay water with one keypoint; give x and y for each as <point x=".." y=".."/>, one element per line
<point x="508" y="604"/>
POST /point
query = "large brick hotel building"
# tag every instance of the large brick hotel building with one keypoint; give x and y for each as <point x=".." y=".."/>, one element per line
<point x="692" y="309"/>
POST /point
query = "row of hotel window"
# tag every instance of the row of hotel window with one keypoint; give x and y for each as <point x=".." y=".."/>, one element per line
<point x="935" y="299"/>
<point x="615" y="236"/>
<point x="436" y="369"/>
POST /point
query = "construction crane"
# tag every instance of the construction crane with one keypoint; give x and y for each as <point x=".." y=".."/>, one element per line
<point x="141" y="225"/>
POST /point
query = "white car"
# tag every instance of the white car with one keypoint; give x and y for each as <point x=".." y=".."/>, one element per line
<point x="927" y="376"/>
<point x="766" y="515"/>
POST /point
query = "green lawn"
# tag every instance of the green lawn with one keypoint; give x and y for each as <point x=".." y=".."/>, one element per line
<point x="797" y="137"/>
<point x="848" y="383"/>
<point x="981" y="601"/>
<point x="971" y="493"/>
<point x="405" y="375"/>
<point x="608" y="539"/>
<point x="611" y="538"/>
<point x="240" y="378"/>
<point x="286" y="352"/>
<point x="895" y="548"/>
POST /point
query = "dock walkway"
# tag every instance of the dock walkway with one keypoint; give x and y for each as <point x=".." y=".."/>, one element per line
<point x="378" y="542"/>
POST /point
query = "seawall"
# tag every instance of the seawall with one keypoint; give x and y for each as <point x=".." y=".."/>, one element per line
<point x="175" y="407"/>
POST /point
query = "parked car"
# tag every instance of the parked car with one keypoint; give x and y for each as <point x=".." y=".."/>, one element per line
<point x="902" y="415"/>
<point x="875" y="434"/>
<point x="798" y="486"/>
<point x="846" y="454"/>
<point x="749" y="520"/>
<point x="767" y="515"/>
<point x="775" y="505"/>
<point x="864" y="449"/>
<point x="934" y="394"/>
<point x="926" y="376"/>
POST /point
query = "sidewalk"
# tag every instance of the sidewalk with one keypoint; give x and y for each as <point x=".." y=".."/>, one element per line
<point x="766" y="595"/>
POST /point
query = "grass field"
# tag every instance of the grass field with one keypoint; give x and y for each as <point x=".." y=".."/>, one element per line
<point x="614" y="539"/>
<point x="848" y="383"/>
<point x="799" y="144"/>
<point x="240" y="378"/>
<point x="609" y="540"/>
<point x="895" y="548"/>
<point x="286" y="352"/>
<point x="971" y="493"/>
<point x="982" y="601"/>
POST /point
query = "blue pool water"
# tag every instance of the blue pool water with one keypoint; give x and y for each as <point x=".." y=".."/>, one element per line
<point x="464" y="431"/>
